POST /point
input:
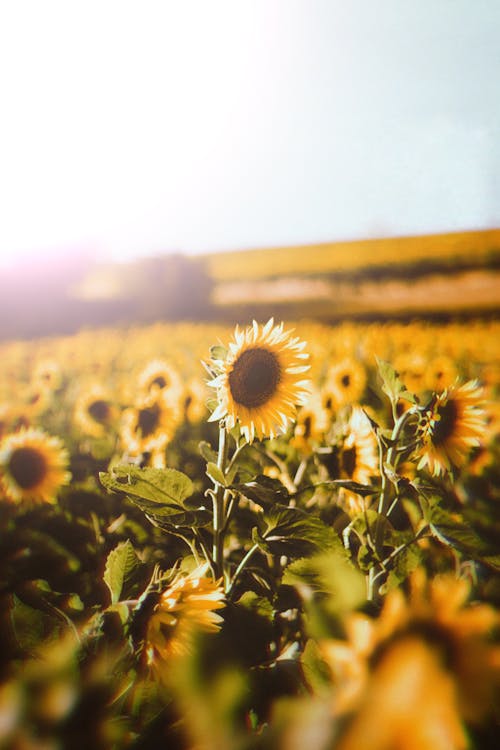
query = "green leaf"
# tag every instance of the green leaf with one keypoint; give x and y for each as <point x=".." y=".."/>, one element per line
<point x="207" y="451"/>
<point x="454" y="532"/>
<point x="263" y="490"/>
<point x="293" y="532"/>
<point x="392" y="385"/>
<point x="316" y="672"/>
<point x="330" y="576"/>
<point x="216" y="474"/>
<point x="218" y="352"/>
<point x="120" y="563"/>
<point x="360" y="489"/>
<point x="166" y="486"/>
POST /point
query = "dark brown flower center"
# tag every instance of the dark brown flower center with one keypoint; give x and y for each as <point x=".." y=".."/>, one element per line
<point x="346" y="380"/>
<point x="254" y="378"/>
<point x="349" y="461"/>
<point x="100" y="410"/>
<point x="160" y="381"/>
<point x="444" y="427"/>
<point x="27" y="467"/>
<point x="148" y="420"/>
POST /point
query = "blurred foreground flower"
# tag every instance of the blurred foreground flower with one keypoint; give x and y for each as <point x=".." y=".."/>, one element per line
<point x="186" y="608"/>
<point x="454" y="423"/>
<point x="32" y="466"/>
<point x="412" y="677"/>
<point x="261" y="380"/>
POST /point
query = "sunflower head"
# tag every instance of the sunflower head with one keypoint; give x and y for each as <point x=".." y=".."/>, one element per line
<point x="159" y="375"/>
<point x="454" y="423"/>
<point x="151" y="423"/>
<point x="33" y="466"/>
<point x="345" y="383"/>
<point x="260" y="383"/>
<point x="186" y="608"/>
<point x="428" y="654"/>
<point x="95" y="411"/>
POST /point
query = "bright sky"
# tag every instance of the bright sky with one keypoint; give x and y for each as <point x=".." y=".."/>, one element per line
<point x="133" y="128"/>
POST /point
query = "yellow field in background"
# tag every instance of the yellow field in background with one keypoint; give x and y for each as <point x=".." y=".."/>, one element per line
<point x="476" y="247"/>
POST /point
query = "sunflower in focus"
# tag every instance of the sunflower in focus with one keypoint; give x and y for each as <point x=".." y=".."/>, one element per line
<point x="261" y="382"/>
<point x="345" y="383"/>
<point x="454" y="423"/>
<point x="33" y="466"/>
<point x="187" y="607"/>
<point x="95" y="412"/>
<point x="418" y="671"/>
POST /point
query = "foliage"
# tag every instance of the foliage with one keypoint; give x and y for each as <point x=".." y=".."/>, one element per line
<point x="293" y="540"/>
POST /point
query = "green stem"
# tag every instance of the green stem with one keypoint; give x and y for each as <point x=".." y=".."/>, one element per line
<point x="241" y="566"/>
<point x="386" y="485"/>
<point x="218" y="505"/>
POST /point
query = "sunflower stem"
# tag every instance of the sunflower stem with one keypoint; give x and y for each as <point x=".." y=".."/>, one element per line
<point x="218" y="505"/>
<point x="385" y="496"/>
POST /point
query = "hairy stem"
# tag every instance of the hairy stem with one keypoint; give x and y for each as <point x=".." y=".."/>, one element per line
<point x="218" y="505"/>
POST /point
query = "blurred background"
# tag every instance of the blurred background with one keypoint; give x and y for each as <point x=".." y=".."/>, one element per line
<point x="193" y="160"/>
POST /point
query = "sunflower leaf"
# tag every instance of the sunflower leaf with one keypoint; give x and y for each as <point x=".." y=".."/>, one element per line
<point x="120" y="563"/>
<point x="218" y="352"/>
<point x="392" y="385"/>
<point x="263" y="490"/>
<point x="454" y="532"/>
<point x="293" y="532"/>
<point x="163" y="486"/>
<point x="215" y="474"/>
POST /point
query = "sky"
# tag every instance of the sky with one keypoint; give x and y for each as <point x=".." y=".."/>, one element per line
<point x="130" y="129"/>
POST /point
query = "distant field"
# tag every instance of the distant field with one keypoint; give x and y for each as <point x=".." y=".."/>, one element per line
<point x="455" y="250"/>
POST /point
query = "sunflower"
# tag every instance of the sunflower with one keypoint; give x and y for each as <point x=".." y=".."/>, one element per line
<point x="453" y="424"/>
<point x="94" y="411"/>
<point x="159" y="375"/>
<point x="345" y="383"/>
<point x="186" y="608"/>
<point x="356" y="457"/>
<point x="47" y="374"/>
<point x="194" y="400"/>
<point x="260" y="382"/>
<point x="420" y="669"/>
<point x="33" y="466"/>
<point x="441" y="373"/>
<point x="312" y="423"/>
<point x="149" y="425"/>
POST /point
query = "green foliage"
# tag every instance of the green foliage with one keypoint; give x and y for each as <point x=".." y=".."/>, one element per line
<point x="121" y="562"/>
<point x="292" y="532"/>
<point x="392" y="385"/>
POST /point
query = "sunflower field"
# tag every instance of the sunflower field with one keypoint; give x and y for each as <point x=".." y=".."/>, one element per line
<point x="274" y="535"/>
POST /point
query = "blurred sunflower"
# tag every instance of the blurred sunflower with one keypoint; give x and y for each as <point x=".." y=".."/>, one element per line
<point x="195" y="401"/>
<point x="149" y="425"/>
<point x="344" y="384"/>
<point x="47" y="374"/>
<point x="186" y="608"/>
<point x="412" y="676"/>
<point x="453" y="424"/>
<point x="260" y="384"/>
<point x="35" y="401"/>
<point x="159" y="375"/>
<point x="356" y="457"/>
<point x="312" y="424"/>
<point x="441" y="373"/>
<point x="33" y="466"/>
<point x="95" y="411"/>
